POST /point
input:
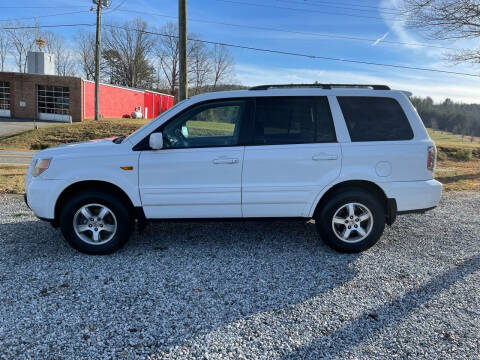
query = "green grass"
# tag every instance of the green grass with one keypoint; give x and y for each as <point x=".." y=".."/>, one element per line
<point x="68" y="133"/>
<point x="90" y="129"/>
<point x="12" y="178"/>
<point x="446" y="139"/>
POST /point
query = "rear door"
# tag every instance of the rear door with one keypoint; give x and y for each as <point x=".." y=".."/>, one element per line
<point x="293" y="154"/>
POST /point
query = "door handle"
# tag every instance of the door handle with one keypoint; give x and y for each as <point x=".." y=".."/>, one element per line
<point x="324" y="157"/>
<point x="225" y="161"/>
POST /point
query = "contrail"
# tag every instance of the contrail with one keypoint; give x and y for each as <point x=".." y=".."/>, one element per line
<point x="380" y="39"/>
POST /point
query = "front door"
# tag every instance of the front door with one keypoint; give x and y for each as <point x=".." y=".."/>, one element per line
<point x="294" y="155"/>
<point x="198" y="172"/>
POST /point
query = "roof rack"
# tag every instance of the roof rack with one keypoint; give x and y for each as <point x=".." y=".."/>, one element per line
<point x="322" y="86"/>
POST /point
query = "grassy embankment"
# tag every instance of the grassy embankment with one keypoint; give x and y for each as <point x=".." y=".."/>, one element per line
<point x="458" y="166"/>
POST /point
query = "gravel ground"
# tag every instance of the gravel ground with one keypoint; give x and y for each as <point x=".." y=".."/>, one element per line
<point x="244" y="290"/>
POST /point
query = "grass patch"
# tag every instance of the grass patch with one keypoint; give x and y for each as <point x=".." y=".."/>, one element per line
<point x="12" y="178"/>
<point x="459" y="175"/>
<point x="68" y="133"/>
<point x="446" y="139"/>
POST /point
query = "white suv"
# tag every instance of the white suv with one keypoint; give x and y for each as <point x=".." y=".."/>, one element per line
<point x="351" y="157"/>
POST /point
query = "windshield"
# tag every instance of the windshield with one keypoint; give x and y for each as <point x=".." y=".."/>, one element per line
<point x="159" y="116"/>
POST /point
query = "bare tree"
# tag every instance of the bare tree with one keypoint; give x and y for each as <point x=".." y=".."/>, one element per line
<point x="5" y="46"/>
<point x="55" y="44"/>
<point x="200" y="67"/>
<point x="86" y="54"/>
<point x="126" y="52"/>
<point x="447" y="19"/>
<point x="168" y="53"/>
<point x="22" y="41"/>
<point x="223" y="64"/>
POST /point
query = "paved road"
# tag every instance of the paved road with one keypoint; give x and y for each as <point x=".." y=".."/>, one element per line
<point x="244" y="290"/>
<point x="14" y="157"/>
<point x="13" y="126"/>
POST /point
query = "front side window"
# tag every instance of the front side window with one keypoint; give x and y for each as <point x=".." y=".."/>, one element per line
<point x="53" y="99"/>
<point x="207" y="125"/>
<point x="293" y="120"/>
<point x="374" y="119"/>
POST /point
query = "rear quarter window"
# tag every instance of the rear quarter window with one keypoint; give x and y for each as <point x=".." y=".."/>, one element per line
<point x="375" y="119"/>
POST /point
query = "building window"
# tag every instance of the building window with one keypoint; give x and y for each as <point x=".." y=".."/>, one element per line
<point x="53" y="99"/>
<point x="4" y="95"/>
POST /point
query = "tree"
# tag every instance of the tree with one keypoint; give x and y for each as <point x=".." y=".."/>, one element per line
<point x="22" y="41"/>
<point x="200" y="66"/>
<point x="5" y="47"/>
<point x="55" y="44"/>
<point x="86" y="54"/>
<point x="223" y="64"/>
<point x="168" y="53"/>
<point x="447" y="19"/>
<point x="126" y="52"/>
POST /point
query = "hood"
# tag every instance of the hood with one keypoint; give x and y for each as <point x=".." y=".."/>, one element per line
<point x="91" y="147"/>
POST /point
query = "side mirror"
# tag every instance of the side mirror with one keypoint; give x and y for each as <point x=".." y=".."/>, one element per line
<point x="156" y="141"/>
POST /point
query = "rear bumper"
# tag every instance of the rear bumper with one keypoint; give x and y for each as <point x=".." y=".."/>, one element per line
<point x="414" y="196"/>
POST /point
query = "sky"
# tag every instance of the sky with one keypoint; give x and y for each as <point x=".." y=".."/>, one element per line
<point x="293" y="26"/>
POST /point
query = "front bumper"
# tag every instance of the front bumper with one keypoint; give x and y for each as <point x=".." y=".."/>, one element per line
<point x="41" y="196"/>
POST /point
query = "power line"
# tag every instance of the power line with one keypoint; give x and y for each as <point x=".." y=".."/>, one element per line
<point x="280" y="52"/>
<point x="306" y="10"/>
<point x="44" y="16"/>
<point x="307" y="55"/>
<point x="41" y="7"/>
<point x="347" y="37"/>
<point x="115" y="8"/>
<point x="349" y="4"/>
<point x="338" y="7"/>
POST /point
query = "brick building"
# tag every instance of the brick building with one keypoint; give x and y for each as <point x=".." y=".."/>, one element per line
<point x="65" y="98"/>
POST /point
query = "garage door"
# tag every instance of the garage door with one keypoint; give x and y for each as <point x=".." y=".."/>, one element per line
<point x="53" y="103"/>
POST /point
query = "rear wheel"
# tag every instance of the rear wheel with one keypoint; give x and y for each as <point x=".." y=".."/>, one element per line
<point x="351" y="221"/>
<point x="96" y="223"/>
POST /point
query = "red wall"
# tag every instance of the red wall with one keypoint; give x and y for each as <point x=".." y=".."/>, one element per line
<point x="117" y="102"/>
<point x="156" y="103"/>
<point x="114" y="101"/>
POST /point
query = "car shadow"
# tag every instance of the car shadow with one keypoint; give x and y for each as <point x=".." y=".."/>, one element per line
<point x="384" y="316"/>
<point x="172" y="283"/>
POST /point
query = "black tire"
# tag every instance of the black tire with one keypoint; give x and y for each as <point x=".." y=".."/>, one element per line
<point x="324" y="219"/>
<point x="124" y="222"/>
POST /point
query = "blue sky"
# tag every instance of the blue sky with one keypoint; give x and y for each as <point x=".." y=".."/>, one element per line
<point x="352" y="18"/>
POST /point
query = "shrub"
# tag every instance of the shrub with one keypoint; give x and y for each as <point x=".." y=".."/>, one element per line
<point x="39" y="146"/>
<point x="462" y="154"/>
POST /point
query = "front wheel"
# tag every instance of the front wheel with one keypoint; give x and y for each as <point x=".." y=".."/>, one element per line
<point x="96" y="223"/>
<point x="351" y="221"/>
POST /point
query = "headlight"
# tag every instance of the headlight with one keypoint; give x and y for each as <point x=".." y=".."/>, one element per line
<point x="40" y="166"/>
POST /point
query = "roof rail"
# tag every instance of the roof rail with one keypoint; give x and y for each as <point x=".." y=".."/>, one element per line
<point x="322" y="86"/>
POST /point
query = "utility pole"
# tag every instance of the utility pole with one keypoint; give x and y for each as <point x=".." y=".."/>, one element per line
<point x="182" y="39"/>
<point x="100" y="4"/>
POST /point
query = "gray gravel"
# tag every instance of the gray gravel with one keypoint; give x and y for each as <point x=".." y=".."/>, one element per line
<point x="244" y="290"/>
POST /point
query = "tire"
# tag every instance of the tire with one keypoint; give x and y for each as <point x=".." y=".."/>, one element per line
<point x="346" y="234"/>
<point x="109" y="230"/>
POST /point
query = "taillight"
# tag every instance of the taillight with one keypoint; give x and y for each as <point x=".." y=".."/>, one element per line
<point x="431" y="158"/>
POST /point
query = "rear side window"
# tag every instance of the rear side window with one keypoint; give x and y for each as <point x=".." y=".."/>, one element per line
<point x="293" y="120"/>
<point x="375" y="119"/>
